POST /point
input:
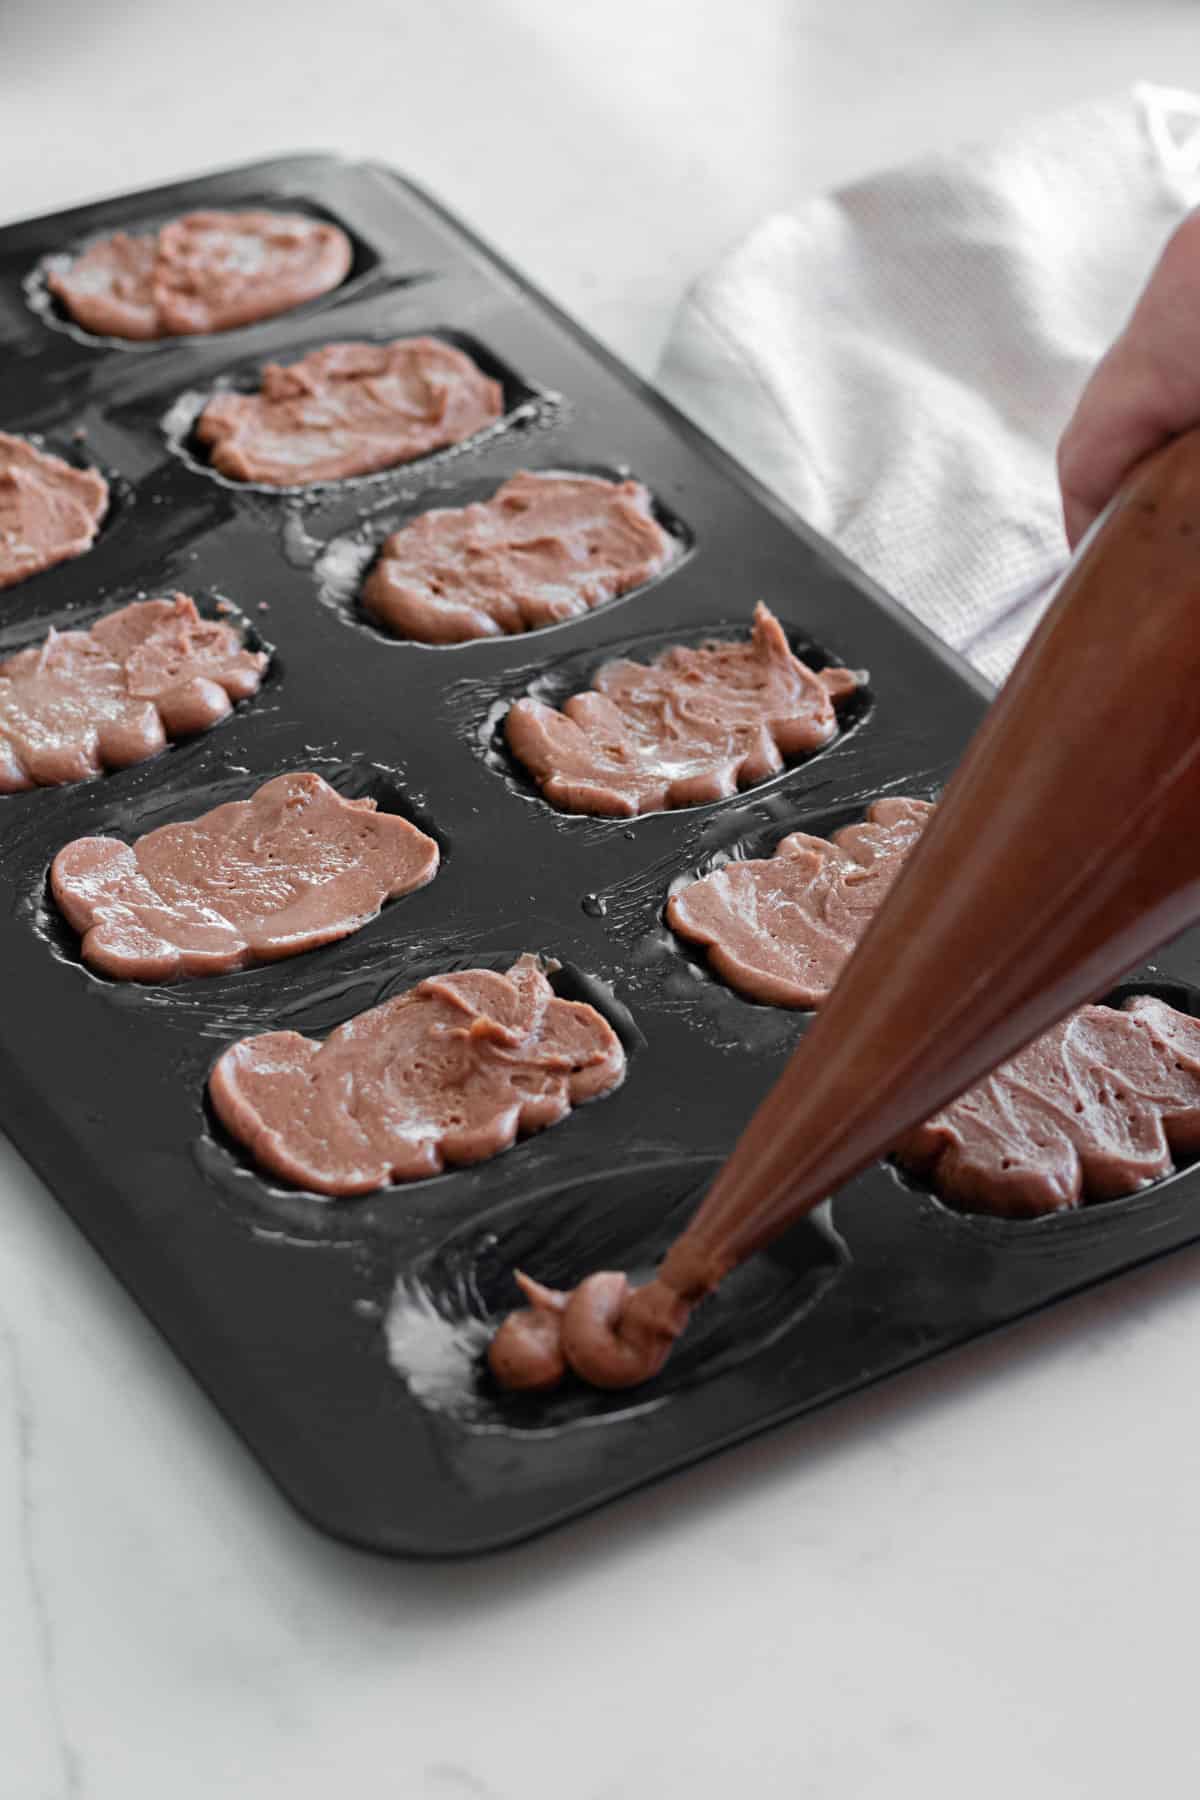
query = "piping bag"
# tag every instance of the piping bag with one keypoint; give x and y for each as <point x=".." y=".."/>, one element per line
<point x="1066" y="848"/>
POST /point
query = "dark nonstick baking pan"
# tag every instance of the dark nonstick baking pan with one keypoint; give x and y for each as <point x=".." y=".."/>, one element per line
<point x="341" y="1338"/>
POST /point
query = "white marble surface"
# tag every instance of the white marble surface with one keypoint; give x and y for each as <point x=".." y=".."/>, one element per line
<point x="980" y="1580"/>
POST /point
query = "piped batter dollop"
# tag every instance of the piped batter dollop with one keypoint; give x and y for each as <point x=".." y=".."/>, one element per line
<point x="691" y="726"/>
<point x="349" y="409"/>
<point x="207" y="271"/>
<point x="49" y="511"/>
<point x="449" y="1073"/>
<point x="543" y="548"/>
<point x="255" y="880"/>
<point x="80" y="702"/>
<point x="610" y="1334"/>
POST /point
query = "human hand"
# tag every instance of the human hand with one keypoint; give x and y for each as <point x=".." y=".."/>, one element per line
<point x="1145" y="390"/>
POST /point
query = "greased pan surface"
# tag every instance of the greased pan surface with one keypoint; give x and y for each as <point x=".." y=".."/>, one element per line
<point x="279" y="1301"/>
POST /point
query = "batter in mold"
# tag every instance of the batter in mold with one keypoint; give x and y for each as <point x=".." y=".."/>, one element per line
<point x="349" y="409"/>
<point x="208" y="271"/>
<point x="1095" y="1108"/>
<point x="693" y="725"/>
<point x="780" y="929"/>
<point x="451" y="1072"/>
<point x="1092" y="1109"/>
<point x="49" y="511"/>
<point x="80" y="702"/>
<point x="255" y="880"/>
<point x="543" y="548"/>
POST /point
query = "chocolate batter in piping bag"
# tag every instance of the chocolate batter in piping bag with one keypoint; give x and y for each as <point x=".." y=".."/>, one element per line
<point x="1092" y="1109"/>
<point x="1066" y="849"/>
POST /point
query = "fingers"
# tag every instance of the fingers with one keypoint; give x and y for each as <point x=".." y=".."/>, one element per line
<point x="1145" y="391"/>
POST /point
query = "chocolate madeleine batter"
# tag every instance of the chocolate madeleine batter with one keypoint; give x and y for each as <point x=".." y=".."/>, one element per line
<point x="542" y="549"/>
<point x="349" y="409"/>
<point x="691" y="726"/>
<point x="80" y="702"/>
<point x="253" y="881"/>
<point x="49" y="511"/>
<point x="451" y="1072"/>
<point x="208" y="271"/>
<point x="1092" y="1109"/>
<point x="780" y="930"/>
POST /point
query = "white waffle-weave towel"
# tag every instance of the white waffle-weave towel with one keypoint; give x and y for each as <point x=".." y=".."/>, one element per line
<point x="898" y="359"/>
